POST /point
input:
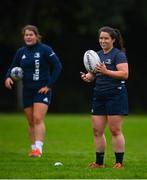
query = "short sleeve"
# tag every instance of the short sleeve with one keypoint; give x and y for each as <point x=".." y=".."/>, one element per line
<point x="121" y="58"/>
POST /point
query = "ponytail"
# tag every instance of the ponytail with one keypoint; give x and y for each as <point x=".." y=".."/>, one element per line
<point x="115" y="34"/>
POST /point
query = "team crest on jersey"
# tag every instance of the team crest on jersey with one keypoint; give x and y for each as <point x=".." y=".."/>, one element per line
<point x="23" y="56"/>
<point x="37" y="55"/>
<point x="108" y="61"/>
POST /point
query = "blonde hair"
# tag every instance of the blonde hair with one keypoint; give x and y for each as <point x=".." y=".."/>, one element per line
<point x="32" y="28"/>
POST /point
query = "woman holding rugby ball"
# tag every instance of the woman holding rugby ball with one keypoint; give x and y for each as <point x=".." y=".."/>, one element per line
<point x="110" y="99"/>
<point x="36" y="60"/>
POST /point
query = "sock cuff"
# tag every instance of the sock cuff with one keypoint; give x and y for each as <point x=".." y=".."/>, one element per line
<point x="38" y="142"/>
<point x="100" y="153"/>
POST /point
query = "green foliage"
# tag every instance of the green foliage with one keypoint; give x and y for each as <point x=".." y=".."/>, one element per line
<point x="59" y="17"/>
<point x="69" y="140"/>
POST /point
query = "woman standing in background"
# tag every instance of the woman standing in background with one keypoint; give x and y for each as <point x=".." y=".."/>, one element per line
<point x="35" y="58"/>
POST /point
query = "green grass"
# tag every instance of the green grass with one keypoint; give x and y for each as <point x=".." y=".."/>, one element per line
<point x="69" y="140"/>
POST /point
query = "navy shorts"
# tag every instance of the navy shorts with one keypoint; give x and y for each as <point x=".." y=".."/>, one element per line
<point x="112" y="102"/>
<point x="31" y="96"/>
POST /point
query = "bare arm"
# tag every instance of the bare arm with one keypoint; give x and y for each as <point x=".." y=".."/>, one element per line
<point x="121" y="73"/>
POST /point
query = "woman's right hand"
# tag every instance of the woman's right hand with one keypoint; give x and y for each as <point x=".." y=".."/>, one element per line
<point x="8" y="83"/>
<point x="87" y="77"/>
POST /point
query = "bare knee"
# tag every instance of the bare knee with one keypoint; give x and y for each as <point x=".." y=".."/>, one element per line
<point x="31" y="123"/>
<point x="37" y="120"/>
<point x="115" y="131"/>
<point x="97" y="133"/>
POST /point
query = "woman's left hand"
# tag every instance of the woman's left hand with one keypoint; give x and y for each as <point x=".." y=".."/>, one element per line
<point x="44" y="90"/>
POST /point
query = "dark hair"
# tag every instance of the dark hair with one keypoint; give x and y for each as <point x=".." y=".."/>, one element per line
<point x="32" y="28"/>
<point x="115" y="34"/>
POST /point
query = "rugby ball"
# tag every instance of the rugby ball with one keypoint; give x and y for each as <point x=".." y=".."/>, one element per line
<point x="16" y="73"/>
<point x="90" y="60"/>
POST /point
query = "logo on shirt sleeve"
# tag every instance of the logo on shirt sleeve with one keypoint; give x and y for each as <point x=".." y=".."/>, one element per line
<point x="52" y="54"/>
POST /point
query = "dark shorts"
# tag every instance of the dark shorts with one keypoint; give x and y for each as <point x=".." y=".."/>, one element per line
<point x="31" y="96"/>
<point x="112" y="102"/>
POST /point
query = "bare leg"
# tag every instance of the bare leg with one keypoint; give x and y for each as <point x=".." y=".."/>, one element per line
<point x="118" y="141"/>
<point x="35" y="116"/>
<point x="39" y="113"/>
<point x="99" y="123"/>
<point x="115" y="125"/>
<point x="29" y="115"/>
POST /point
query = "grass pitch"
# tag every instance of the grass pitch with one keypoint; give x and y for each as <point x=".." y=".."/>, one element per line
<point x="69" y="140"/>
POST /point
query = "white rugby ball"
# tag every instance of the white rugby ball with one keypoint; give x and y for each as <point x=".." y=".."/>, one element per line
<point x="90" y="60"/>
<point x="16" y="73"/>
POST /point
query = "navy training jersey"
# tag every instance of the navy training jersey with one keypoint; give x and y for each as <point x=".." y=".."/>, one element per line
<point x="40" y="64"/>
<point x="111" y="59"/>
